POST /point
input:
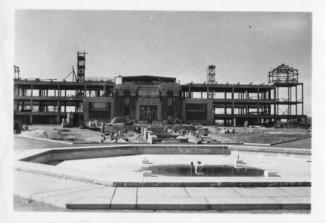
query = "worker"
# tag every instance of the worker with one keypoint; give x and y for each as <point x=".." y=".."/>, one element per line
<point x="102" y="127"/>
<point x="199" y="168"/>
<point x="192" y="169"/>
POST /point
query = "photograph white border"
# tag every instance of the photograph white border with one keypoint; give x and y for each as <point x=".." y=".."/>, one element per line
<point x="6" y="104"/>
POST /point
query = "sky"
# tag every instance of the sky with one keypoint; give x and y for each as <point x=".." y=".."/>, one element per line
<point x="244" y="46"/>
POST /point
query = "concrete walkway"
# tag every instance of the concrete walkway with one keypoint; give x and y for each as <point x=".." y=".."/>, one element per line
<point x="71" y="194"/>
<point x="23" y="143"/>
<point x="87" y="195"/>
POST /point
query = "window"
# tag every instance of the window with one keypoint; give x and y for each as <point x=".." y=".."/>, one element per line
<point x="99" y="105"/>
<point x="148" y="92"/>
<point x="70" y="108"/>
<point x="51" y="108"/>
<point x="70" y="93"/>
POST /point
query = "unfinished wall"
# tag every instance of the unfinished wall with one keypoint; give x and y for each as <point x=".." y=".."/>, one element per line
<point x="198" y="111"/>
<point x="98" y="108"/>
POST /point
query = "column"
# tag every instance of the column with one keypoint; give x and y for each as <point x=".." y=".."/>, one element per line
<point x="189" y="91"/>
<point x="258" y="105"/>
<point x="132" y="104"/>
<point x="210" y="113"/>
<point x="302" y="99"/>
<point x="277" y="107"/>
<point x="58" y="112"/>
<point x="31" y="105"/>
<point x="232" y="100"/>
<point x="296" y="87"/>
<point x="288" y="100"/>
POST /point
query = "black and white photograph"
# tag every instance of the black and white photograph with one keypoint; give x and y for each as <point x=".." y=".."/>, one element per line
<point x="162" y="112"/>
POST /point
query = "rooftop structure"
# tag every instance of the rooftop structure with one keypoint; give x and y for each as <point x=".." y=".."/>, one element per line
<point x="283" y="74"/>
<point x="211" y="75"/>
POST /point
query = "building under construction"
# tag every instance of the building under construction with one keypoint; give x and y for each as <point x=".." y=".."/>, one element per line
<point x="155" y="98"/>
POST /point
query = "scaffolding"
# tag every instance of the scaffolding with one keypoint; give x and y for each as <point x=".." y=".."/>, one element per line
<point x="211" y="74"/>
<point x="81" y="66"/>
<point x="283" y="74"/>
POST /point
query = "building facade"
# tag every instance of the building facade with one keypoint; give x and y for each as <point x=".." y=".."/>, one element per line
<point x="154" y="98"/>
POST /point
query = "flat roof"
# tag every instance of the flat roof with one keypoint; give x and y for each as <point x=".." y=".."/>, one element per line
<point x="147" y="78"/>
<point x="227" y="86"/>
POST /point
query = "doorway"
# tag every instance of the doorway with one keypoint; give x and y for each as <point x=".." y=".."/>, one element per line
<point x="148" y="112"/>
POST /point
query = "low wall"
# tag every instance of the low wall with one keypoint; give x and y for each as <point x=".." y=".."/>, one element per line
<point x="100" y="152"/>
<point x="269" y="149"/>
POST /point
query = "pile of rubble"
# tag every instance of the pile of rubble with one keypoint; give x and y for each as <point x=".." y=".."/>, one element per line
<point x="154" y="133"/>
<point x="194" y="133"/>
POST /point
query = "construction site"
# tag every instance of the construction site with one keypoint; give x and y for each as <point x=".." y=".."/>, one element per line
<point x="151" y="143"/>
<point x="160" y="99"/>
<point x="180" y="121"/>
<point x="122" y="107"/>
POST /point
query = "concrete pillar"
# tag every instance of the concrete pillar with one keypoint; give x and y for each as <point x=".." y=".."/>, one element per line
<point x="258" y="93"/>
<point x="302" y="98"/>
<point x="133" y="107"/>
<point x="31" y="104"/>
<point x="274" y="98"/>
<point x="232" y="101"/>
<point x="58" y="112"/>
<point x="258" y="105"/>
<point x="296" y="101"/>
<point x="288" y="101"/>
<point x="277" y="106"/>
<point x="184" y="111"/>
<point x="210" y="113"/>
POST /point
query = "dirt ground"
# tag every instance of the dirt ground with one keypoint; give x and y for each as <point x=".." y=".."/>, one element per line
<point x="262" y="135"/>
<point x="56" y="132"/>
<point x="235" y="135"/>
<point x="302" y="143"/>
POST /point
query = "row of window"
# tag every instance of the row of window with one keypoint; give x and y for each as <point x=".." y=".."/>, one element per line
<point x="59" y="93"/>
<point x="48" y="108"/>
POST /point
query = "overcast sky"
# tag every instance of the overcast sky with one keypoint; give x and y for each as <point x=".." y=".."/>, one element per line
<point x="244" y="46"/>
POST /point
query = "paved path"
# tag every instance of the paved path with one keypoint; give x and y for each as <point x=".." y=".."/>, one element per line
<point x="23" y="143"/>
<point x="305" y="143"/>
<point x="71" y="194"/>
<point x="65" y="193"/>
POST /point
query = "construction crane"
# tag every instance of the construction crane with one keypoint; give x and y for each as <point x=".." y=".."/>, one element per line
<point x="73" y="73"/>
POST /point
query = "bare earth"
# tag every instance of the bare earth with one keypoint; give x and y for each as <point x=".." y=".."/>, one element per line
<point x="240" y="135"/>
<point x="56" y="132"/>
